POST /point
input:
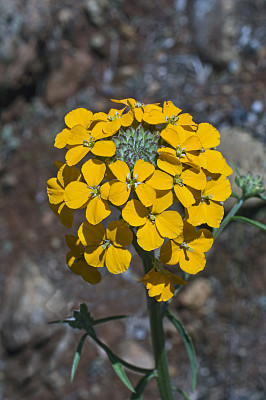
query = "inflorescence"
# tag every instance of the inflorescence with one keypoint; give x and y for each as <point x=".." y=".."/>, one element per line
<point x="147" y="161"/>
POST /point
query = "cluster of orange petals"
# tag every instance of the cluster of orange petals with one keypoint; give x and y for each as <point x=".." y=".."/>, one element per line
<point x="162" y="203"/>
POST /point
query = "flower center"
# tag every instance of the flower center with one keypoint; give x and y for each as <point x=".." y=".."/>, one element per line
<point x="180" y="151"/>
<point x="89" y="143"/>
<point x="206" y="198"/>
<point x="112" y="118"/>
<point x="138" y="104"/>
<point x="132" y="183"/>
<point x="106" y="244"/>
<point x="185" y="246"/>
<point x="178" y="180"/>
<point x="172" y="120"/>
<point x="152" y="218"/>
<point x="95" y="191"/>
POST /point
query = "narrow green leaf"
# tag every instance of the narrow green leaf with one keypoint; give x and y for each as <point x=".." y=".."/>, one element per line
<point x="139" y="389"/>
<point x="119" y="370"/>
<point x="77" y="356"/>
<point x="184" y="394"/>
<point x="106" y="319"/>
<point x="188" y="344"/>
<point x="249" y="221"/>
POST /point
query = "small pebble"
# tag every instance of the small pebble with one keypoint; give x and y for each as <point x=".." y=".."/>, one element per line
<point x="257" y="106"/>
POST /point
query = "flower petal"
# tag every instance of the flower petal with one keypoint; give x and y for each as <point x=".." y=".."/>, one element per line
<point x="194" y="178"/>
<point x="93" y="171"/>
<point x="67" y="174"/>
<point x="191" y="262"/>
<point x="170" y="110"/>
<point x="95" y="255"/>
<point x="75" y="154"/>
<point x="119" y="193"/>
<point x="169" y="224"/>
<point x="61" y="139"/>
<point x="104" y="148"/>
<point x="169" y="163"/>
<point x="120" y="170"/>
<point x="160" y="180"/>
<point x="184" y="195"/>
<point x="220" y="189"/>
<point x="117" y="259"/>
<point x="148" y="237"/>
<point x="97" y="210"/>
<point x="170" y="253"/>
<point x="77" y="135"/>
<point x="79" y="116"/>
<point x="203" y="241"/>
<point x="55" y="191"/>
<point x="76" y="194"/>
<point x="143" y="170"/>
<point x="215" y="161"/>
<point x="146" y="194"/>
<point x="89" y="274"/>
<point x="135" y="213"/>
<point x="119" y="233"/>
<point x="91" y="234"/>
<point x="208" y="135"/>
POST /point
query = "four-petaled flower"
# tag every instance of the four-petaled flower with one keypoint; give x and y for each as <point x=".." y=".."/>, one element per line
<point x="107" y="248"/>
<point x="154" y="222"/>
<point x="90" y="194"/>
<point x="160" y="283"/>
<point x="120" y="189"/>
<point x="76" y="262"/>
<point x="187" y="249"/>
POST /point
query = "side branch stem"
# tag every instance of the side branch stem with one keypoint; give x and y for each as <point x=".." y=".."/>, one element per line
<point x="217" y="231"/>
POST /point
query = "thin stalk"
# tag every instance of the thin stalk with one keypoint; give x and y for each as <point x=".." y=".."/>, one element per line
<point x="157" y="332"/>
<point x="217" y="231"/>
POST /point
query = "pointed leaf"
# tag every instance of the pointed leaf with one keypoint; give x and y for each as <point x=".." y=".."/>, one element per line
<point x="249" y="221"/>
<point x="119" y="370"/>
<point x="77" y="356"/>
<point x="186" y="397"/>
<point x="139" y="389"/>
<point x="188" y="344"/>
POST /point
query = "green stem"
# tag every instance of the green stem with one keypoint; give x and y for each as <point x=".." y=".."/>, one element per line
<point x="217" y="231"/>
<point x="158" y="344"/>
<point x="157" y="332"/>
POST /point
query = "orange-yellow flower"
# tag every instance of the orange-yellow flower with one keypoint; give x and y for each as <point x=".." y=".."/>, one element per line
<point x="169" y="115"/>
<point x="108" y="124"/>
<point x="81" y="142"/>
<point x="55" y="190"/>
<point x="187" y="249"/>
<point x="208" y="207"/>
<point x="80" y="116"/>
<point x="120" y="190"/>
<point x="154" y="222"/>
<point x="107" y="248"/>
<point x="207" y="157"/>
<point x="138" y="108"/>
<point x="181" y="181"/>
<point x="184" y="145"/>
<point x="90" y="193"/>
<point x="160" y="284"/>
<point x="77" y="264"/>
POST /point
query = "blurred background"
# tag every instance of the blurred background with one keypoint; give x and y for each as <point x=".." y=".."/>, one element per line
<point x="209" y="58"/>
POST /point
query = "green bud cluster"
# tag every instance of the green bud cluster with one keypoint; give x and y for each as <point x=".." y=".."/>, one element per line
<point x="250" y="185"/>
<point x="136" y="143"/>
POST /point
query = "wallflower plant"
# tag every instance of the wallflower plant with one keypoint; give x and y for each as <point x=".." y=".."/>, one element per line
<point x="159" y="173"/>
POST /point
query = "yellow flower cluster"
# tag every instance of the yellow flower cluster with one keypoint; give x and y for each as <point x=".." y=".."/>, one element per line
<point x="146" y="161"/>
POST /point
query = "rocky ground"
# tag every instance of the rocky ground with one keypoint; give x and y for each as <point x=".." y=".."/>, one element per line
<point x="209" y="58"/>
